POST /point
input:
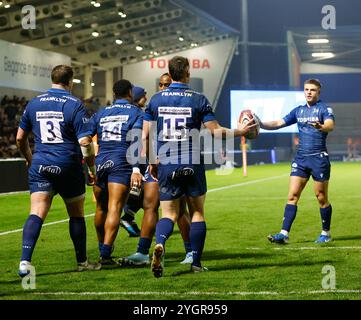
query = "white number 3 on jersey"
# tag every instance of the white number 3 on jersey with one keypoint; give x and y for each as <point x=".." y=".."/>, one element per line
<point x="50" y="126"/>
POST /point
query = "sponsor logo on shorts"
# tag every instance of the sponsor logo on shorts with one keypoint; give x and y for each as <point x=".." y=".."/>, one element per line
<point x="294" y="165"/>
<point x="50" y="169"/>
<point x="105" y="165"/>
<point x="43" y="184"/>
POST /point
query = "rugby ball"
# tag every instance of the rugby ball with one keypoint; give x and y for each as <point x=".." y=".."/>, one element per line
<point x="249" y="116"/>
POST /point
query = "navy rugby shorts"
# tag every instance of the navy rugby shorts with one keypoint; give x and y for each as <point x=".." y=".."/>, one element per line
<point x="317" y="165"/>
<point x="111" y="169"/>
<point x="68" y="181"/>
<point x="193" y="186"/>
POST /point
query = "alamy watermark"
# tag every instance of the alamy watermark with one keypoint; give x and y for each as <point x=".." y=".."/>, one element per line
<point x="29" y="281"/>
<point x="329" y="280"/>
<point x="182" y="146"/>
<point x="28" y="20"/>
<point x="329" y="20"/>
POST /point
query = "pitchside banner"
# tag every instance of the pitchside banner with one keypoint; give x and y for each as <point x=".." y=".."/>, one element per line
<point x="28" y="68"/>
<point x="209" y="65"/>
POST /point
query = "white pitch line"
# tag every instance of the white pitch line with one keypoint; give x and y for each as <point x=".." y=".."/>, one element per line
<point x="196" y="293"/>
<point x="211" y="190"/>
<point x="305" y="248"/>
<point x="44" y="225"/>
<point x="246" y="183"/>
<point x="14" y="192"/>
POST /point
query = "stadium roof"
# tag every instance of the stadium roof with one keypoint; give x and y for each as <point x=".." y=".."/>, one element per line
<point x="341" y="47"/>
<point x="110" y="33"/>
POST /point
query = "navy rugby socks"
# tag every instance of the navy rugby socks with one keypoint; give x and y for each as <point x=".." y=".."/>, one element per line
<point x="144" y="245"/>
<point x="106" y="251"/>
<point x="197" y="236"/>
<point x="187" y="246"/>
<point x="31" y="232"/>
<point x="163" y="230"/>
<point x="326" y="214"/>
<point x="77" y="230"/>
<point x="289" y="216"/>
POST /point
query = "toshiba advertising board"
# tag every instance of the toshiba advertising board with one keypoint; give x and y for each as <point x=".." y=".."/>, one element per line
<point x="208" y="67"/>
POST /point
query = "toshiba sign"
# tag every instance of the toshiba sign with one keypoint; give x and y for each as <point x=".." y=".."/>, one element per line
<point x="162" y="63"/>
<point x="209" y="65"/>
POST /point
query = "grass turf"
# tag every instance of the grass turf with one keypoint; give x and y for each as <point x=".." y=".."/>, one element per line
<point x="240" y="213"/>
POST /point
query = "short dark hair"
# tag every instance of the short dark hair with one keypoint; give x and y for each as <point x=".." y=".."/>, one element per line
<point x="178" y="68"/>
<point x="316" y="82"/>
<point x="121" y="88"/>
<point x="62" y="74"/>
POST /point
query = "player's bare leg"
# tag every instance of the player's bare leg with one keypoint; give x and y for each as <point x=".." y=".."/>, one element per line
<point x="149" y="221"/>
<point x="40" y="204"/>
<point x="118" y="194"/>
<point x="198" y="230"/>
<point x="321" y="192"/>
<point x="150" y="205"/>
<point x="77" y="230"/>
<point x="184" y="228"/>
<point x="164" y="228"/>
<point x="296" y="186"/>
<point x="101" y="196"/>
<point x="39" y="208"/>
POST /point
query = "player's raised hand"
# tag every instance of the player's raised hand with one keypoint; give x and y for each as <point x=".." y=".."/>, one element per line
<point x="246" y="126"/>
<point x="258" y="120"/>
<point x="317" y="125"/>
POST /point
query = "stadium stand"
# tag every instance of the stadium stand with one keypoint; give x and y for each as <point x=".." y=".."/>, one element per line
<point x="11" y="110"/>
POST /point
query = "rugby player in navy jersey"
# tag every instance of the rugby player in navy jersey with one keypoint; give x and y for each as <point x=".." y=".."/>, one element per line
<point x="135" y="199"/>
<point x="115" y="125"/>
<point x="178" y="113"/>
<point x="149" y="200"/>
<point x="314" y="120"/>
<point x="59" y="123"/>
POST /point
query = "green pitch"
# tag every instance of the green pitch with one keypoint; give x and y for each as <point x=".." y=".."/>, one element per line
<point x="240" y="213"/>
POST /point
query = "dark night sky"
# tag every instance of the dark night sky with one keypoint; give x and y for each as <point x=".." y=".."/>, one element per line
<point x="268" y="22"/>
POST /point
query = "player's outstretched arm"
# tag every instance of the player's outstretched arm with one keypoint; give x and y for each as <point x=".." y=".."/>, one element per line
<point x="22" y="143"/>
<point x="272" y="125"/>
<point x="217" y="129"/>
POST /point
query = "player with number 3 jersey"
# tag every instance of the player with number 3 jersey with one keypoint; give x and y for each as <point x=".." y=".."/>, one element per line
<point x="59" y="123"/>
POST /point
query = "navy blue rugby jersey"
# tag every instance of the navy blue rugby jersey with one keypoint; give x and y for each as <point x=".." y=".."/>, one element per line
<point x="112" y="124"/>
<point x="57" y="120"/>
<point x="178" y="110"/>
<point x="311" y="140"/>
